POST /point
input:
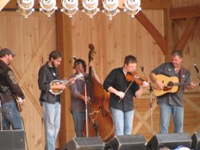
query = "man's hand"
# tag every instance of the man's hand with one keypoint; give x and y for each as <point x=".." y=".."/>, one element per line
<point x="60" y="86"/>
<point x="72" y="80"/>
<point x="159" y="85"/>
<point x="120" y="94"/>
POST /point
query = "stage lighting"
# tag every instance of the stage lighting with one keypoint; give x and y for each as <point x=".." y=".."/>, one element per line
<point x="69" y="7"/>
<point x="90" y="7"/>
<point x="110" y="8"/>
<point x="48" y="7"/>
<point x="132" y="7"/>
<point x="25" y="7"/>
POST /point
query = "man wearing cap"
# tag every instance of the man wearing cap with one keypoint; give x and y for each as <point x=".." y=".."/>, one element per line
<point x="9" y="89"/>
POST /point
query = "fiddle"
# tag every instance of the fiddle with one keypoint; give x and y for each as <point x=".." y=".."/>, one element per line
<point x="133" y="77"/>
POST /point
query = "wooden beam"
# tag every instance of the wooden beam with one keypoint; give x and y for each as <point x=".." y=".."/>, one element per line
<point x="3" y="3"/>
<point x="153" y="31"/>
<point x="168" y="34"/>
<point x="64" y="44"/>
<point x="156" y="4"/>
<point x="187" y="34"/>
<point x="185" y="12"/>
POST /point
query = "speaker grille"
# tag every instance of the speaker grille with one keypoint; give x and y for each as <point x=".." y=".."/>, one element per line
<point x="18" y="140"/>
<point x="126" y="142"/>
<point x="12" y="140"/>
<point x="171" y="141"/>
<point x="84" y="143"/>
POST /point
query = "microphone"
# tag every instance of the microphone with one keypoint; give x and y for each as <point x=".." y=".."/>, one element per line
<point x="74" y="58"/>
<point x="75" y="61"/>
<point x="197" y="70"/>
<point x="142" y="68"/>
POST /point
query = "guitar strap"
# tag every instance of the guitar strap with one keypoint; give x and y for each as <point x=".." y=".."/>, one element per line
<point x="180" y="77"/>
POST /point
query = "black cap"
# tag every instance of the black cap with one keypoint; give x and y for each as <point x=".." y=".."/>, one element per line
<point x="5" y="51"/>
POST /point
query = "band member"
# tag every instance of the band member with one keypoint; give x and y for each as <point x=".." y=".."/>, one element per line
<point x="172" y="102"/>
<point x="8" y="88"/>
<point x="50" y="102"/>
<point x="77" y="95"/>
<point x="121" y="103"/>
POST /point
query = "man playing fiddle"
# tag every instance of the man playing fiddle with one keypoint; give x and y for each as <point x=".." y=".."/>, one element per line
<point x="121" y="95"/>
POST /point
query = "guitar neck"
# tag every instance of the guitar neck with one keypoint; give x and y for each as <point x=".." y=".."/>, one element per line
<point x="180" y="84"/>
<point x="76" y="77"/>
<point x="65" y="82"/>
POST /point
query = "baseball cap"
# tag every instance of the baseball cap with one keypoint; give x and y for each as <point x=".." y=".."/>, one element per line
<point x="5" y="51"/>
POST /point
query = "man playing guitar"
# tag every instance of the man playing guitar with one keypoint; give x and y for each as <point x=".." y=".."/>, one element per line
<point x="9" y="88"/>
<point x="172" y="102"/>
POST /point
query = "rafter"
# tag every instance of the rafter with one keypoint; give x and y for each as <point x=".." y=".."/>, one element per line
<point x="187" y="33"/>
<point x="3" y="3"/>
<point x="153" y="31"/>
<point x="156" y="4"/>
<point x="185" y="12"/>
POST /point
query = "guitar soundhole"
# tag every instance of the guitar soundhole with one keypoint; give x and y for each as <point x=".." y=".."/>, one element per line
<point x="170" y="84"/>
<point x="168" y="87"/>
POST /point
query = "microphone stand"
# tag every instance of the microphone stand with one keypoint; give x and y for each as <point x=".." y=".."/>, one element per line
<point x="86" y="108"/>
<point x="151" y="97"/>
<point x="1" y="110"/>
<point x="151" y="109"/>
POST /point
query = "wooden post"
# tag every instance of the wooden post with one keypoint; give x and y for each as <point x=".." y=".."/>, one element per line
<point x="168" y="34"/>
<point x="64" y="44"/>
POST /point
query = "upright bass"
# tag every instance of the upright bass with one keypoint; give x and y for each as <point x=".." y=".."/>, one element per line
<point x="100" y="121"/>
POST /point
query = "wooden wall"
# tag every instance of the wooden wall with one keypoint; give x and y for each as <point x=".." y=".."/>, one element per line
<point x="32" y="39"/>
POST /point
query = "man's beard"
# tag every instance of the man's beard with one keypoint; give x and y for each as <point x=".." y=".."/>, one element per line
<point x="53" y="64"/>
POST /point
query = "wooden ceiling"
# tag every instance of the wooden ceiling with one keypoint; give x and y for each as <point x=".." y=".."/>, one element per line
<point x="173" y="13"/>
<point x="176" y="13"/>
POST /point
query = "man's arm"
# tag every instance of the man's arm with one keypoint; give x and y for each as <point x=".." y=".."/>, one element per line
<point x="13" y="84"/>
<point x="158" y="84"/>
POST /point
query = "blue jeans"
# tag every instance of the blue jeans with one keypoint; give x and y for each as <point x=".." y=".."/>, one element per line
<point x="78" y="118"/>
<point x="123" y="121"/>
<point x="177" y="114"/>
<point x="51" y="114"/>
<point x="11" y="116"/>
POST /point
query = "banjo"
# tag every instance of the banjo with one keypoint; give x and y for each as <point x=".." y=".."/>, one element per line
<point x="63" y="81"/>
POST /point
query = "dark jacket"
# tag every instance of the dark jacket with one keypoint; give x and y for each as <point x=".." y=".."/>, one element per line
<point x="8" y="84"/>
<point x="46" y="75"/>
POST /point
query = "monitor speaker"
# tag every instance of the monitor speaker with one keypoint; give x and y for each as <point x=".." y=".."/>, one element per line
<point x="12" y="140"/>
<point x="196" y="140"/>
<point x="84" y="143"/>
<point x="170" y="141"/>
<point x="126" y="142"/>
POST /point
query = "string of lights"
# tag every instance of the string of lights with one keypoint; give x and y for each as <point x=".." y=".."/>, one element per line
<point x="25" y="7"/>
<point x="89" y="7"/>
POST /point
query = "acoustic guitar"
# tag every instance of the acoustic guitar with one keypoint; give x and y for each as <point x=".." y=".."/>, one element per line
<point x="20" y="103"/>
<point x="63" y="81"/>
<point x="171" y="85"/>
